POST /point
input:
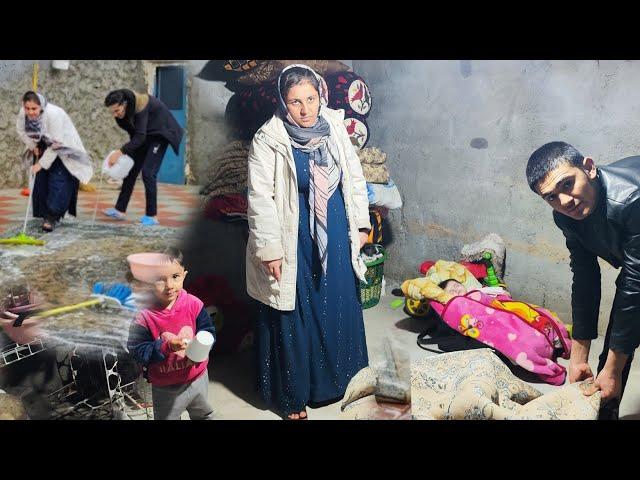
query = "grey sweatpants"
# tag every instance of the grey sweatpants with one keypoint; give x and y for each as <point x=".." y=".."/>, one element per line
<point x="170" y="401"/>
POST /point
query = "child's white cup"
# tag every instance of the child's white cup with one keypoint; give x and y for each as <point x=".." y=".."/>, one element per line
<point x="121" y="168"/>
<point x="198" y="348"/>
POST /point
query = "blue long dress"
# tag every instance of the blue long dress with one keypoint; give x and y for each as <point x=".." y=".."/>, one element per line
<point x="308" y="356"/>
<point x="55" y="191"/>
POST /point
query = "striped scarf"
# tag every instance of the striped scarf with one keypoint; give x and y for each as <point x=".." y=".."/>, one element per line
<point x="324" y="173"/>
<point x="324" y="169"/>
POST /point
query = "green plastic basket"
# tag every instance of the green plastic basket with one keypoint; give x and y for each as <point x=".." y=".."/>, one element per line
<point x="371" y="290"/>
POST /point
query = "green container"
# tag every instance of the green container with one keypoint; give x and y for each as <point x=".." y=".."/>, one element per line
<point x="371" y="290"/>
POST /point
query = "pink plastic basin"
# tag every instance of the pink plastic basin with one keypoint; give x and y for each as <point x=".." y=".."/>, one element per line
<point x="27" y="332"/>
<point x="146" y="267"/>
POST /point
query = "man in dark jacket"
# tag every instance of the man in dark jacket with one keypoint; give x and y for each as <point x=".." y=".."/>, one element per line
<point x="598" y="211"/>
<point x="151" y="128"/>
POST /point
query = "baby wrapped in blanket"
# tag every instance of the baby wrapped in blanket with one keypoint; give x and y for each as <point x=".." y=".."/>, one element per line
<point x="529" y="335"/>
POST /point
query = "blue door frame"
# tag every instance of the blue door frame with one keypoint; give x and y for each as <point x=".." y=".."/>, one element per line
<point x="171" y="89"/>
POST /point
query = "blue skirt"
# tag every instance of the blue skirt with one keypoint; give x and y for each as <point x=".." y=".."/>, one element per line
<point x="308" y="356"/>
<point x="55" y="192"/>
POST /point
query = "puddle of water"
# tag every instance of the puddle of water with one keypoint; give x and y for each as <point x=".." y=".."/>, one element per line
<point x="66" y="268"/>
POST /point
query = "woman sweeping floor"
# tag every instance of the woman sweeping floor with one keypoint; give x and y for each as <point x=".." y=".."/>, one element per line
<point x="60" y="159"/>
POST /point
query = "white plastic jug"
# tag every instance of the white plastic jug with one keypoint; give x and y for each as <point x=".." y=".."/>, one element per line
<point x="121" y="168"/>
<point x="61" y="64"/>
<point x="198" y="348"/>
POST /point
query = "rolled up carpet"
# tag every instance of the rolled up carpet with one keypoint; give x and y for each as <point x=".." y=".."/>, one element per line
<point x="236" y="145"/>
<point x="372" y="156"/>
<point x="376" y="173"/>
<point x="249" y="108"/>
<point x="270" y="70"/>
<point x="477" y="385"/>
<point x="231" y="180"/>
<point x="219" y="206"/>
<point x="226" y="70"/>
<point x="244" y="117"/>
<point x="349" y="91"/>
<point x="228" y="169"/>
<point x="358" y="131"/>
<point x="228" y="190"/>
<point x="260" y="98"/>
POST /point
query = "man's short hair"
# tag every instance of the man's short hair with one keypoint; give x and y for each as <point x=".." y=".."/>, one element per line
<point x="549" y="157"/>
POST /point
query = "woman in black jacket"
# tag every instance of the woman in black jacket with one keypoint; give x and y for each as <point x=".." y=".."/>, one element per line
<point x="151" y="128"/>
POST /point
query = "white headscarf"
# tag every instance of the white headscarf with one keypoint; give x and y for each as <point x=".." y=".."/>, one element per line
<point x="35" y="128"/>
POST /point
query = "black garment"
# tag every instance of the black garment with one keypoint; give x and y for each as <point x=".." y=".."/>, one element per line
<point x="154" y="120"/>
<point x="148" y="159"/>
<point x="609" y="410"/>
<point x="611" y="232"/>
<point x="55" y="192"/>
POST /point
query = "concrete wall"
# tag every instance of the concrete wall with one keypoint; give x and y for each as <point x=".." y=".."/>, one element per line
<point x="207" y="131"/>
<point x="459" y="134"/>
<point x="80" y="91"/>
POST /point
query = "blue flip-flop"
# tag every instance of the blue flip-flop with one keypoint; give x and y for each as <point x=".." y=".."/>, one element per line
<point x="148" y="221"/>
<point x="115" y="214"/>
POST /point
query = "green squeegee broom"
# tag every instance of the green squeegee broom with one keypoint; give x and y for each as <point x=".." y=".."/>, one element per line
<point x="22" y="238"/>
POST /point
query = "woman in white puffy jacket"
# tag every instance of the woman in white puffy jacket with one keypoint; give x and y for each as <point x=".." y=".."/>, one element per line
<point x="60" y="159"/>
<point x="308" y="218"/>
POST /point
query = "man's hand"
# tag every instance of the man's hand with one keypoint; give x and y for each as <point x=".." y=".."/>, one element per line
<point x="177" y="344"/>
<point x="609" y="383"/>
<point x="364" y="236"/>
<point x="113" y="158"/>
<point x="36" y="152"/>
<point x="273" y="268"/>
<point x="579" y="362"/>
<point x="36" y="168"/>
<point x="609" y="380"/>
<point x="579" y="372"/>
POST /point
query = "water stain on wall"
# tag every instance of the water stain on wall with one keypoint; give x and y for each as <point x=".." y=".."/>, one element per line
<point x="479" y="142"/>
<point x="437" y="230"/>
<point x="541" y="248"/>
<point x="465" y="68"/>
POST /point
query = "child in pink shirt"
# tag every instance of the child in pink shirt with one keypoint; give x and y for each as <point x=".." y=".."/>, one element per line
<point x="158" y="339"/>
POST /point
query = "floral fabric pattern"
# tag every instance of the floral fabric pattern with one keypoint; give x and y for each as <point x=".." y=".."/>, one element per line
<point x="477" y="385"/>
